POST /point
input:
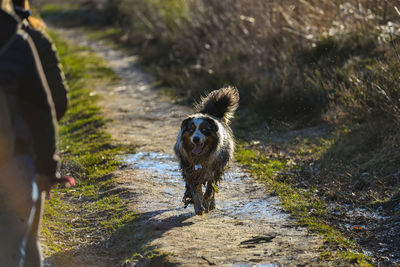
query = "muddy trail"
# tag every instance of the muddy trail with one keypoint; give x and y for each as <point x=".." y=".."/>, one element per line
<point x="247" y="228"/>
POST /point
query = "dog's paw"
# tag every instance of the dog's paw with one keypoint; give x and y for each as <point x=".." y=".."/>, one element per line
<point x="199" y="209"/>
<point x="200" y="212"/>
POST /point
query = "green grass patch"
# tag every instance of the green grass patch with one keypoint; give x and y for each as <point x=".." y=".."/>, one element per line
<point x="57" y="9"/>
<point x="109" y="33"/>
<point x="304" y="204"/>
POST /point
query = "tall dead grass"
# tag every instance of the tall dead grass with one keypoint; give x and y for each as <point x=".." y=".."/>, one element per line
<point x="273" y="51"/>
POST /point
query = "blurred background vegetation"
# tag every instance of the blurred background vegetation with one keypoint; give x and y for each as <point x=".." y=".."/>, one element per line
<point x="304" y="62"/>
<point x="289" y="59"/>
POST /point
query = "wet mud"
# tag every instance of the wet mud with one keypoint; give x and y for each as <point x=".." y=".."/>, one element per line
<point x="235" y="184"/>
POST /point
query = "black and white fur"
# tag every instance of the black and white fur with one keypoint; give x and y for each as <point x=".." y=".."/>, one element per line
<point x="205" y="146"/>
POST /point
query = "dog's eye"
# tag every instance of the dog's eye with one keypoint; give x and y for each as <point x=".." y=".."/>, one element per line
<point x="191" y="129"/>
<point x="206" y="131"/>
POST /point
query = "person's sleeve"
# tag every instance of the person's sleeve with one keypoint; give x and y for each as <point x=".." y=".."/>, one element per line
<point x="52" y="69"/>
<point x="39" y="112"/>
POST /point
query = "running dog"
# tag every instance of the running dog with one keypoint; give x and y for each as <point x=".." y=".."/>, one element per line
<point x="205" y="145"/>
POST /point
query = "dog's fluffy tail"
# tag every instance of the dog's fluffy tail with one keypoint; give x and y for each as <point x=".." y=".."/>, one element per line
<point x="220" y="103"/>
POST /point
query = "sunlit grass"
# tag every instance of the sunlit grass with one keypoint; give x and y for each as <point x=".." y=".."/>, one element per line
<point x="95" y="210"/>
<point x="87" y="154"/>
<point x="54" y="9"/>
<point x="308" y="208"/>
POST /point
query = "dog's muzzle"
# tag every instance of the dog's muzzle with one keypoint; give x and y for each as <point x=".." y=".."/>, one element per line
<point x="197" y="145"/>
<point x="198" y="148"/>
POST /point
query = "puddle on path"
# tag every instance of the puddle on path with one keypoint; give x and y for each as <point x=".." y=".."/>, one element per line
<point x="239" y="197"/>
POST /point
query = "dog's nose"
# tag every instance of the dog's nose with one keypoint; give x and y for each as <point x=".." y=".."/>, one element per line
<point x="196" y="139"/>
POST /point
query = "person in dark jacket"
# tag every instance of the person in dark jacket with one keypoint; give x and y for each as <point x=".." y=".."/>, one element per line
<point x="23" y="85"/>
<point x="48" y="57"/>
<point x="58" y="87"/>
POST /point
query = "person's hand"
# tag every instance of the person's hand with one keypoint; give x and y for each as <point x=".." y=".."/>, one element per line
<point x="45" y="183"/>
<point x="67" y="181"/>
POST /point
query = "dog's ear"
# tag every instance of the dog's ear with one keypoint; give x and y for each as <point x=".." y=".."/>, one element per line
<point x="185" y="124"/>
<point x="213" y="124"/>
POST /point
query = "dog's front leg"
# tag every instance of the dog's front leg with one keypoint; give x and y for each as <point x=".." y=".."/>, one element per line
<point x="197" y="192"/>
<point x="187" y="197"/>
<point x="209" y="197"/>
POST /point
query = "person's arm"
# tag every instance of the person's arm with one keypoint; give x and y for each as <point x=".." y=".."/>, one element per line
<point x="52" y="70"/>
<point x="38" y="111"/>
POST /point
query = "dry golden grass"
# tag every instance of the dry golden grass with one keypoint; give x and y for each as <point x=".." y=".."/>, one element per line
<point x="262" y="47"/>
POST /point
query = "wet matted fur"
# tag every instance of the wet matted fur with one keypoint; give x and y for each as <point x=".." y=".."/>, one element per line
<point x="205" y="145"/>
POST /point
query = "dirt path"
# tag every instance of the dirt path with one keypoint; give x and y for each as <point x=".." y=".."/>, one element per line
<point x="246" y="229"/>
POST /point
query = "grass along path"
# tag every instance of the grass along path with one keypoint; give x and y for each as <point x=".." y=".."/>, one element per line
<point x="80" y="218"/>
<point x="303" y="204"/>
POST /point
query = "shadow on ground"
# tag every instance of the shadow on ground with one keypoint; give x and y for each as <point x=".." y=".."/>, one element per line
<point x="130" y="245"/>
